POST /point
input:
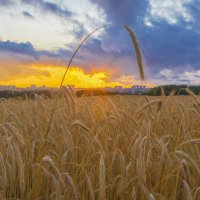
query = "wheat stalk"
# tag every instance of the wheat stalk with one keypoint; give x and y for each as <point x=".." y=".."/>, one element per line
<point x="137" y="52"/>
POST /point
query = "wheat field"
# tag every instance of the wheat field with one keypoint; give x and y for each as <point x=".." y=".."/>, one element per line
<point x="105" y="147"/>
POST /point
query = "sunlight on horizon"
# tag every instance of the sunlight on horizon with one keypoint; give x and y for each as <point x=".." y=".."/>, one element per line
<point x="51" y="76"/>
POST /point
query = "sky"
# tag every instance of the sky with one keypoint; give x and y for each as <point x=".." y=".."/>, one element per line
<point x="38" y="37"/>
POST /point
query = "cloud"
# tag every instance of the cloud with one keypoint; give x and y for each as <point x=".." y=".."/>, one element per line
<point x="79" y="29"/>
<point x="120" y="65"/>
<point x="89" y="57"/>
<point x="54" y="24"/>
<point x="172" y="47"/>
<point x="167" y="31"/>
<point x="52" y="7"/>
<point x="26" y="49"/>
<point x="172" y="11"/>
<point x="186" y="77"/>
<point x="16" y="66"/>
<point x="49" y="7"/>
<point x="5" y="2"/>
<point x="122" y="12"/>
<point x="43" y="5"/>
<point x="18" y="48"/>
<point x="27" y="14"/>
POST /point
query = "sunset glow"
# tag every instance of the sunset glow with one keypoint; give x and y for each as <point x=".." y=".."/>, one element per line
<point x="51" y="76"/>
<point x="38" y="38"/>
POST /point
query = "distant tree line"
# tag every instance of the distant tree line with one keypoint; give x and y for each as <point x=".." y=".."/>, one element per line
<point x="176" y="89"/>
<point x="156" y="91"/>
<point x="23" y="94"/>
<point x="92" y="92"/>
<point x="99" y="92"/>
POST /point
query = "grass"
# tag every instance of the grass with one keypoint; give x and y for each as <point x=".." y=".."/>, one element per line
<point x="129" y="148"/>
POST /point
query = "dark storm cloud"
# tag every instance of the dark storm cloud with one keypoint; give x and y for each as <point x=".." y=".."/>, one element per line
<point x="27" y="14"/>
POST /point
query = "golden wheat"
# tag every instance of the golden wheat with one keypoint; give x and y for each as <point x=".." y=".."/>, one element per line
<point x="125" y="149"/>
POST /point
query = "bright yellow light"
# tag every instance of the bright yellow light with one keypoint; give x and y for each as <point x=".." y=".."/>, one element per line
<point x="51" y="76"/>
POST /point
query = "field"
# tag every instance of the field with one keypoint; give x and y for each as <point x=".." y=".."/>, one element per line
<point x="111" y="147"/>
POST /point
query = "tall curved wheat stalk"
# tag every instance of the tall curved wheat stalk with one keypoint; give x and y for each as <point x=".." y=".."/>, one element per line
<point x="137" y="53"/>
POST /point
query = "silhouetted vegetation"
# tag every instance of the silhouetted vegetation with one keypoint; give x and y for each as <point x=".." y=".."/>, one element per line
<point x="23" y="94"/>
<point x="176" y="89"/>
<point x="156" y="91"/>
<point x="94" y="92"/>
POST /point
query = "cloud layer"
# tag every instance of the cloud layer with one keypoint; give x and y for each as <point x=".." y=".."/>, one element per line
<point x="167" y="31"/>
